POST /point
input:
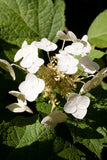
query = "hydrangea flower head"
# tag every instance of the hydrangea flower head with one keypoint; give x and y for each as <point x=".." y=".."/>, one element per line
<point x="46" y="45"/>
<point x="53" y="119"/>
<point x="21" y="106"/>
<point x="31" y="87"/>
<point x="25" y="50"/>
<point x="77" y="105"/>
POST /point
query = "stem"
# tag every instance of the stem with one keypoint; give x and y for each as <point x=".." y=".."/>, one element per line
<point x="18" y="67"/>
<point x="48" y="56"/>
<point x="63" y="44"/>
<point x="87" y="77"/>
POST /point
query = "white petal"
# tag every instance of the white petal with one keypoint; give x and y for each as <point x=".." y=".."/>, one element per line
<point x="61" y="35"/>
<point x="41" y="85"/>
<point x="24" y="87"/>
<point x="28" y="60"/>
<point x="85" y="38"/>
<point x="46" y="45"/>
<point x="24" y="44"/>
<point x="53" y="119"/>
<point x="72" y="97"/>
<point x="72" y="70"/>
<point x="31" y="96"/>
<point x="18" y="55"/>
<point x="62" y="68"/>
<point x="33" y="69"/>
<point x="80" y="113"/>
<point x="20" y="96"/>
<point x="72" y="36"/>
<point x="69" y="107"/>
<point x="15" y="107"/>
<point x="88" y="65"/>
<point x="48" y="122"/>
<point x="28" y="110"/>
<point x="7" y="67"/>
<point x="25" y="50"/>
<point x="32" y="78"/>
<point x="58" y="116"/>
<point x="83" y="102"/>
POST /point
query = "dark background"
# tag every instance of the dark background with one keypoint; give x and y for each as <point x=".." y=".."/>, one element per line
<point x="81" y="13"/>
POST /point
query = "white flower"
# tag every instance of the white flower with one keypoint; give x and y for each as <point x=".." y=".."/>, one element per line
<point x="32" y="63"/>
<point x="94" y="82"/>
<point x="25" y="50"/>
<point x="46" y="45"/>
<point x="88" y="65"/>
<point x="21" y="106"/>
<point x="80" y="47"/>
<point x="53" y="119"/>
<point x="75" y="48"/>
<point x="70" y="36"/>
<point x="67" y="63"/>
<point x="31" y="87"/>
<point x="77" y="105"/>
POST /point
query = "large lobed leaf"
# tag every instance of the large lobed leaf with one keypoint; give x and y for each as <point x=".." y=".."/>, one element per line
<point x="30" y="20"/>
<point x="25" y="138"/>
<point x="97" y="33"/>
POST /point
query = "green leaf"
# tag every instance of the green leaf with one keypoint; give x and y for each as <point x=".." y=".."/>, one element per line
<point x="72" y="154"/>
<point x="30" y="20"/>
<point x="43" y="106"/>
<point x="25" y="135"/>
<point x="97" y="33"/>
<point x="96" y="54"/>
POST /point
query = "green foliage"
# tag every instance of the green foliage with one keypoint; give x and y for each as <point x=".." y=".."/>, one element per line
<point x="25" y="138"/>
<point x="43" y="106"/>
<point x="97" y="33"/>
<point x="72" y="154"/>
<point x="96" y="54"/>
<point x="30" y="20"/>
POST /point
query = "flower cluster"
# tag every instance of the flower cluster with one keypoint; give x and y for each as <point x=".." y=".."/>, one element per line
<point x="59" y="75"/>
<point x="78" y="47"/>
<point x="32" y="86"/>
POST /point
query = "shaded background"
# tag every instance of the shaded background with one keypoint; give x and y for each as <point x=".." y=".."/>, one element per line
<point x="81" y="13"/>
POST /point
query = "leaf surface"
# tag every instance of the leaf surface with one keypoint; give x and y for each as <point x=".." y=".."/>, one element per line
<point x="97" y="33"/>
<point x="30" y="20"/>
